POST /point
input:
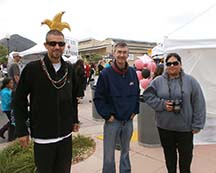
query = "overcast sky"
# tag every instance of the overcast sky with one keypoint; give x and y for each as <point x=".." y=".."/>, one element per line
<point x="139" y="20"/>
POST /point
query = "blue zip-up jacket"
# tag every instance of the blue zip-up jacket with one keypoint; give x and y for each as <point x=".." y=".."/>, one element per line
<point x="193" y="111"/>
<point x="6" y="99"/>
<point x="117" y="94"/>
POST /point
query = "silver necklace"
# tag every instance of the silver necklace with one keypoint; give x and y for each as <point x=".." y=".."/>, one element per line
<point x="59" y="83"/>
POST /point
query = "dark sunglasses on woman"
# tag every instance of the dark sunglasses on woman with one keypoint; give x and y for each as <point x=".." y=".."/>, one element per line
<point x="175" y="63"/>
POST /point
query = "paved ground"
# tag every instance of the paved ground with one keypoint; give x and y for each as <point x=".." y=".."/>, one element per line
<point x="3" y="120"/>
<point x="143" y="159"/>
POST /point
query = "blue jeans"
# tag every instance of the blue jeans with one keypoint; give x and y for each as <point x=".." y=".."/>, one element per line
<point x="112" y="131"/>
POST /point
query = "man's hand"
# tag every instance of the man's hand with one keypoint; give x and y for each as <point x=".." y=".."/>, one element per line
<point x="24" y="141"/>
<point x="132" y="116"/>
<point x="111" y="119"/>
<point x="16" y="78"/>
<point x="195" y="131"/>
<point x="76" y="127"/>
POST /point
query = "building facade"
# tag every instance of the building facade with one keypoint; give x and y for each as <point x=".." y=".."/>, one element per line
<point x="90" y="47"/>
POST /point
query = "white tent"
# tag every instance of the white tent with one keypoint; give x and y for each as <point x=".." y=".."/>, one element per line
<point x="193" y="42"/>
<point x="37" y="52"/>
<point x="198" y="58"/>
<point x="157" y="52"/>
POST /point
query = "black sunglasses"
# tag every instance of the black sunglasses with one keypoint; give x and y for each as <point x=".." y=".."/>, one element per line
<point x="54" y="43"/>
<point x="175" y="63"/>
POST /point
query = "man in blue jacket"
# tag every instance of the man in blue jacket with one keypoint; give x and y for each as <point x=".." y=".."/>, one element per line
<point x="117" y="101"/>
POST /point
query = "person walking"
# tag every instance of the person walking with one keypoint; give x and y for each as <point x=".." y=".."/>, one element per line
<point x="14" y="70"/>
<point x="6" y="97"/>
<point x="92" y="73"/>
<point x="87" y="68"/>
<point x="81" y="77"/>
<point x="51" y="86"/>
<point x="117" y="101"/>
<point x="14" y="73"/>
<point x="100" y="66"/>
<point x="180" y="107"/>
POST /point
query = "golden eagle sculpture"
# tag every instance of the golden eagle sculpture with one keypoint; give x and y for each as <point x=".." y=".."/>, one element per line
<point x="56" y="22"/>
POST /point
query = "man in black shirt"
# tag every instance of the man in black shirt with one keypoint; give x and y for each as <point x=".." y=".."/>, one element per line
<point x="51" y="86"/>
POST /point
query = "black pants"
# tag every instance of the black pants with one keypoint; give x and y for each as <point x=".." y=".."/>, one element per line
<point x="53" y="157"/>
<point x="173" y="142"/>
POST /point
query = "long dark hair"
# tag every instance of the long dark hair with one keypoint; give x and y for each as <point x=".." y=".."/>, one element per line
<point x="5" y="82"/>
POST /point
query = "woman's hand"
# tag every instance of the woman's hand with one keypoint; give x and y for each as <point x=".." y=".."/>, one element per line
<point x="169" y="106"/>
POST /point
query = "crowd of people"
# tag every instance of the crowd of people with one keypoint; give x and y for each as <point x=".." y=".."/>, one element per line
<point x="47" y="93"/>
<point x="8" y="88"/>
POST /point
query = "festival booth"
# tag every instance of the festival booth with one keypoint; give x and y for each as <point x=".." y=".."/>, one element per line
<point x="158" y="53"/>
<point x="198" y="60"/>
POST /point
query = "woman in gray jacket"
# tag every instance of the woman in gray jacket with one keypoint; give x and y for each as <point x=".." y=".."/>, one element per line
<point x="180" y="109"/>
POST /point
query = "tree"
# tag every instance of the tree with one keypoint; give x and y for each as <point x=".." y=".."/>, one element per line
<point x="94" y="58"/>
<point x="3" y="54"/>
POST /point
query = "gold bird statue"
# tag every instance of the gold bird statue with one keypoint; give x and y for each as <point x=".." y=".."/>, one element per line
<point x="56" y="23"/>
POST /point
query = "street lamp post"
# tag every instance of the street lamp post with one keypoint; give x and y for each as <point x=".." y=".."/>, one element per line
<point x="8" y="44"/>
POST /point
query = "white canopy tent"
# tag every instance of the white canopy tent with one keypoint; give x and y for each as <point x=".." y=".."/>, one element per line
<point x="194" y="42"/>
<point x="198" y="60"/>
<point x="157" y="52"/>
<point x="38" y="51"/>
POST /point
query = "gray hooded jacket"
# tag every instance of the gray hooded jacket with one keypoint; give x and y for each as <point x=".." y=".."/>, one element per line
<point x="185" y="88"/>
